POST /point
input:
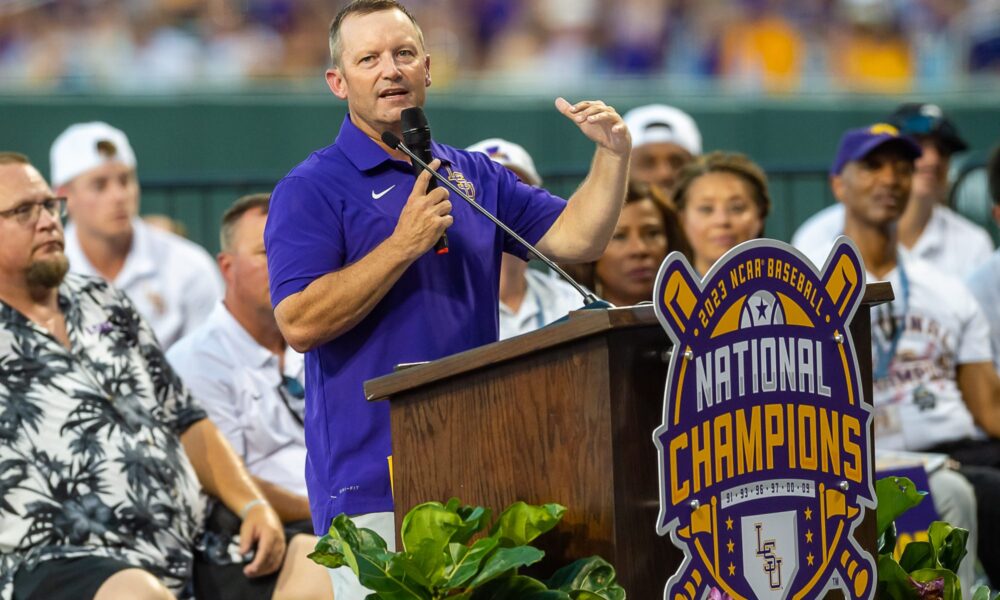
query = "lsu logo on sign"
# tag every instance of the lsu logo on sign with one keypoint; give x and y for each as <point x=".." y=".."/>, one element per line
<point x="764" y="447"/>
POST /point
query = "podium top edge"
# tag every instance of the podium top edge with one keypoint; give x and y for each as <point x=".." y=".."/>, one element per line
<point x="580" y="324"/>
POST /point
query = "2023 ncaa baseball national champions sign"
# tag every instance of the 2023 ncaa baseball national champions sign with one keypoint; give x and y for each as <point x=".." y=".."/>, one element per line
<point x="764" y="446"/>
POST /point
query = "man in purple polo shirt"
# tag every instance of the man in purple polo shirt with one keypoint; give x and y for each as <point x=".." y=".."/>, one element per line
<point x="354" y="282"/>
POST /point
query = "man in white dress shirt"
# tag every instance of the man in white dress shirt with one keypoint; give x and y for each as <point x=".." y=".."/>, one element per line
<point x="529" y="298"/>
<point x="928" y="229"/>
<point x="239" y="368"/>
<point x="172" y="281"/>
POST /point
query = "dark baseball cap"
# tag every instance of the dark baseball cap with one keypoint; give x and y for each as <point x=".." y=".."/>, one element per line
<point x="856" y="144"/>
<point x="914" y="118"/>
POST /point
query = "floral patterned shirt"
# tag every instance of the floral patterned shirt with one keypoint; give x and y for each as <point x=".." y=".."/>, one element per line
<point x="91" y="462"/>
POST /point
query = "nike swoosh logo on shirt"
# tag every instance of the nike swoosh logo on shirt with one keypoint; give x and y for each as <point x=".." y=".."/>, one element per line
<point x="382" y="193"/>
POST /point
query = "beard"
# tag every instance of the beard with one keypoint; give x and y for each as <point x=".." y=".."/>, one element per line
<point x="48" y="273"/>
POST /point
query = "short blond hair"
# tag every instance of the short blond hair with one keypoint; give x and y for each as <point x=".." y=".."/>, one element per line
<point x="234" y="213"/>
<point x="13" y="158"/>
<point x="364" y="7"/>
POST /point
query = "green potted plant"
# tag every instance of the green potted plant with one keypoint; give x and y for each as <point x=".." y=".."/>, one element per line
<point x="454" y="551"/>
<point x="926" y="569"/>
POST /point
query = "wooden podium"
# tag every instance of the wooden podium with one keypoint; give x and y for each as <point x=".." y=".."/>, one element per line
<point x="564" y="414"/>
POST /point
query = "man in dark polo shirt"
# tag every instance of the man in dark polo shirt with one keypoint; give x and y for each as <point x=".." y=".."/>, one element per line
<point x="353" y="281"/>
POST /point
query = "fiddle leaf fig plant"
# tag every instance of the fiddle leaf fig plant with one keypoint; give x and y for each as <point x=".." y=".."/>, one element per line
<point x="926" y="569"/>
<point x="442" y="556"/>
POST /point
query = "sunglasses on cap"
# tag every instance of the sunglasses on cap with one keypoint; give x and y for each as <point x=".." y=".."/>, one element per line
<point x="920" y="124"/>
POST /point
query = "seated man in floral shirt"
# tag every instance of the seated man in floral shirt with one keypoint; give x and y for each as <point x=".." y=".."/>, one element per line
<point x="102" y="450"/>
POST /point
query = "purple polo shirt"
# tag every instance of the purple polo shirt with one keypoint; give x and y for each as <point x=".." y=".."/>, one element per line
<point x="332" y="210"/>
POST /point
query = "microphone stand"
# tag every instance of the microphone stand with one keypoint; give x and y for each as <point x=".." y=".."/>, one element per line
<point x="589" y="299"/>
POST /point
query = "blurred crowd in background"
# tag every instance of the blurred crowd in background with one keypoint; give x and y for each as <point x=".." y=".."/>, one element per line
<point x="747" y="46"/>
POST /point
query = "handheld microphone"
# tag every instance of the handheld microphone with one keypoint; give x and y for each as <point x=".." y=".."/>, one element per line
<point x="417" y="135"/>
<point x="589" y="299"/>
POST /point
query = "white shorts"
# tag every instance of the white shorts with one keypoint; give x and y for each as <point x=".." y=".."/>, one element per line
<point x="345" y="583"/>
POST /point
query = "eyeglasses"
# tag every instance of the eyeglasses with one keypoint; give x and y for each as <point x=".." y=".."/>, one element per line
<point x="27" y="213"/>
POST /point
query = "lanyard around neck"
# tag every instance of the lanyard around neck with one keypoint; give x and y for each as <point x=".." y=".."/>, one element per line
<point x="886" y="352"/>
<point x="540" y="315"/>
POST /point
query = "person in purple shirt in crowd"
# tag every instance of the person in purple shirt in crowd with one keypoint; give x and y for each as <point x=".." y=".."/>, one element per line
<point x="354" y="282"/>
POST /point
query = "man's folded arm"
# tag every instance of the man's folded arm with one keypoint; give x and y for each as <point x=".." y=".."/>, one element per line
<point x="334" y="303"/>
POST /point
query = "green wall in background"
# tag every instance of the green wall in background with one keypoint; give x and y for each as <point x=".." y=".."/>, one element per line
<point x="261" y="137"/>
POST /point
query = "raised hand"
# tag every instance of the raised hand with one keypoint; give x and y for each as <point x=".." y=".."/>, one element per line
<point x="599" y="122"/>
<point x="425" y="217"/>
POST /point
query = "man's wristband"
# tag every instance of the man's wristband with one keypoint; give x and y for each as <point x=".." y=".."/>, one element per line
<point x="249" y="505"/>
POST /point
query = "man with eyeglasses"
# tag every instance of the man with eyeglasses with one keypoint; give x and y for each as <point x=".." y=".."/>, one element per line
<point x="934" y="387"/>
<point x="171" y="280"/>
<point x="239" y="368"/>
<point x="928" y="228"/>
<point x="103" y="452"/>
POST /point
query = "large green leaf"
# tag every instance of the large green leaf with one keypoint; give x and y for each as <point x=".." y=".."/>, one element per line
<point x="949" y="544"/>
<point x="506" y="559"/>
<point x="886" y="542"/>
<point x="464" y="561"/>
<point x="918" y="555"/>
<point x="521" y="523"/>
<point x="402" y="565"/>
<point x="426" y="532"/>
<point x="377" y="569"/>
<point x="474" y="520"/>
<point x="327" y="552"/>
<point x="354" y="542"/>
<point x="893" y="581"/>
<point x="896" y="495"/>
<point x="586" y="578"/>
<point x="516" y="587"/>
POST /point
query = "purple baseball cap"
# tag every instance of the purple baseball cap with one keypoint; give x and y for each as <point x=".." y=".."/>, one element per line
<point x="856" y="144"/>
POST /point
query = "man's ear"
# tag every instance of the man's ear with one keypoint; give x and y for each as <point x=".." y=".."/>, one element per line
<point x="837" y="186"/>
<point x="336" y="82"/>
<point x="427" y="70"/>
<point x="225" y="262"/>
<point x="996" y="213"/>
<point x="63" y="191"/>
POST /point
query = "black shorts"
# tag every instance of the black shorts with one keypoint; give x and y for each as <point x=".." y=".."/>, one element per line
<point x="66" y="578"/>
<point x="227" y="581"/>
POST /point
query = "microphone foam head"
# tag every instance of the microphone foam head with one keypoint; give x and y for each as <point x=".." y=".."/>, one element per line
<point x="389" y="139"/>
<point x="413" y="118"/>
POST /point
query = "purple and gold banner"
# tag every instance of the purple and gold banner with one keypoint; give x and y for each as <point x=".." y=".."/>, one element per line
<point x="764" y="447"/>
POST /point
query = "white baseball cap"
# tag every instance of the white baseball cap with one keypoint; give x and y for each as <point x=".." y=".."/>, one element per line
<point x="511" y="155"/>
<point x="659" y="123"/>
<point x="85" y="146"/>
